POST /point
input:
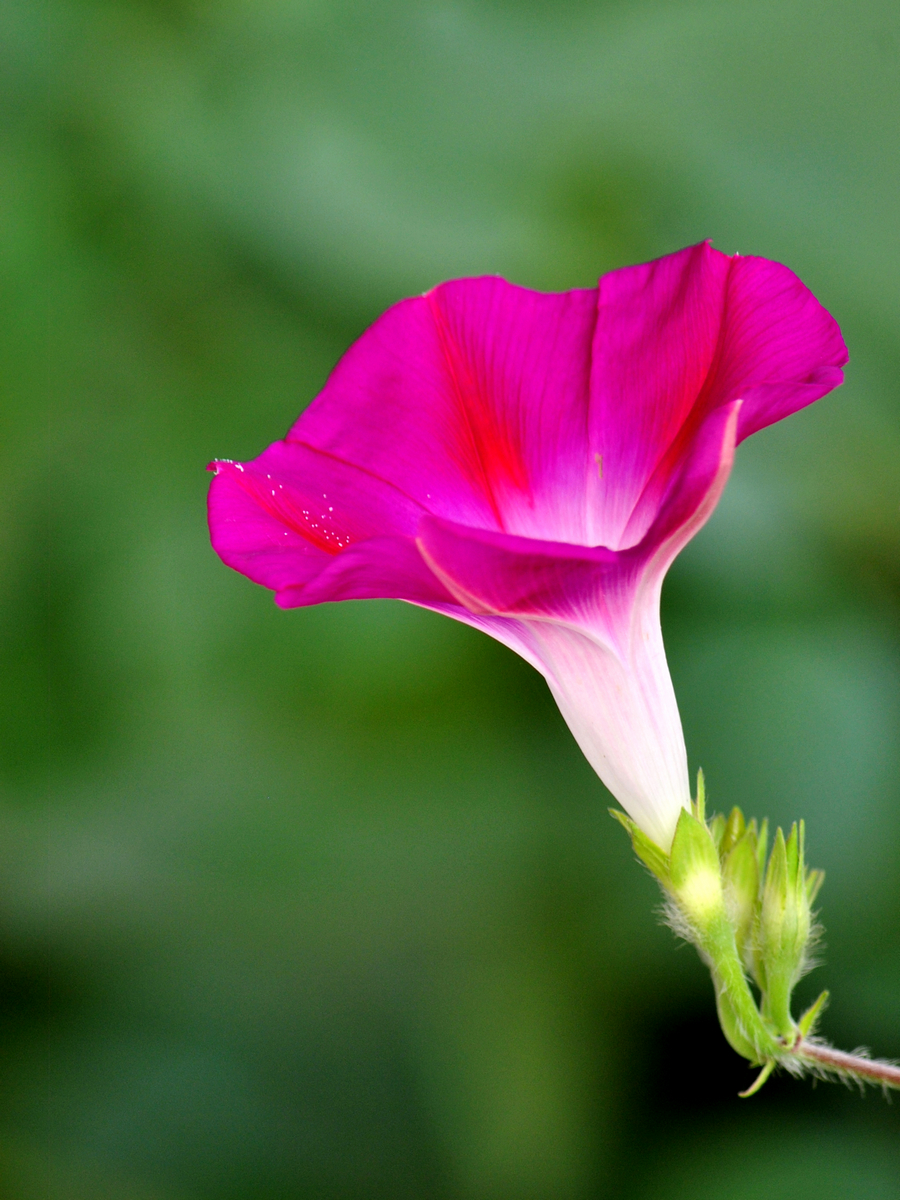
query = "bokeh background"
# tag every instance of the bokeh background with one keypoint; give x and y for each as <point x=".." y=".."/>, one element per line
<point x="335" y="908"/>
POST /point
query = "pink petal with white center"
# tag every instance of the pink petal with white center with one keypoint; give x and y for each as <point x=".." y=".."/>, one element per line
<point x="531" y="464"/>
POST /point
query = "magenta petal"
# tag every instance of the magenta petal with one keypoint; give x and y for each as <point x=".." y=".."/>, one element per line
<point x="693" y="490"/>
<point x="389" y="568"/>
<point x="282" y="518"/>
<point x="531" y="464"/>
<point x="251" y="539"/>
<point x="680" y="337"/>
<point x="658" y="330"/>
<point x="781" y="349"/>
<point x="473" y="400"/>
<point x="499" y="574"/>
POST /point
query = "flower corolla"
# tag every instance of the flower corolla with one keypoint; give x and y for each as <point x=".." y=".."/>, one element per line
<point x="531" y="464"/>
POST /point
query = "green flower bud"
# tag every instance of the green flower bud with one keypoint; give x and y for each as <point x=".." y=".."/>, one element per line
<point x="783" y="927"/>
<point x="700" y="910"/>
<point x="713" y="902"/>
<point x="747" y="916"/>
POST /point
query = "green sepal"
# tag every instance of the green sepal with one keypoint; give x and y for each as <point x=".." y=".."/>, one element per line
<point x="810" y="1018"/>
<point x="735" y="828"/>
<point x="762" y="847"/>
<point x="747" y="913"/>
<point x="717" y="829"/>
<point x="698" y="806"/>
<point x="776" y="875"/>
<point x="695" y="878"/>
<point x="652" y="856"/>
<point x="740" y="872"/>
<point x="814" y="881"/>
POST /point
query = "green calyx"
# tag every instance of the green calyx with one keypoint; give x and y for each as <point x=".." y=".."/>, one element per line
<point x="749" y="915"/>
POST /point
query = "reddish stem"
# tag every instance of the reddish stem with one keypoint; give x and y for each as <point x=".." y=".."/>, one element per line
<point x="872" y="1069"/>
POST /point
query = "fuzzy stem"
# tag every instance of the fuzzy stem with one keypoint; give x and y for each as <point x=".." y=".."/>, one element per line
<point x="741" y="1022"/>
<point x="870" y="1070"/>
<point x="776" y="1003"/>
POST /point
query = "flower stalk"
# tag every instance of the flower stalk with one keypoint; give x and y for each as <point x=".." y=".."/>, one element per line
<point x="750" y="916"/>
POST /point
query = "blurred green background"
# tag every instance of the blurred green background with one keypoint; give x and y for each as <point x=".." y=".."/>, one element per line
<point x="335" y="908"/>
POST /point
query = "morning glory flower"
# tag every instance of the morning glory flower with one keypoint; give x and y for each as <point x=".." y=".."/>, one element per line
<point x="531" y="464"/>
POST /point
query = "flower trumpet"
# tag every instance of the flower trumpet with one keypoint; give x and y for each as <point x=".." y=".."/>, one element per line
<point x="531" y="464"/>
